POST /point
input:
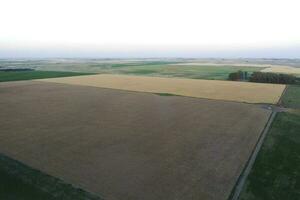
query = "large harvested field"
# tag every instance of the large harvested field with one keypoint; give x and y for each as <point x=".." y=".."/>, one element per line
<point x="129" y="146"/>
<point x="210" y="89"/>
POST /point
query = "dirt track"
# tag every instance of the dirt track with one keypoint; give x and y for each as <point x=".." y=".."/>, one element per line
<point x="126" y="145"/>
<point x="210" y="89"/>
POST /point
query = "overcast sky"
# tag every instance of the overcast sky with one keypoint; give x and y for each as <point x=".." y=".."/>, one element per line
<point x="149" y="28"/>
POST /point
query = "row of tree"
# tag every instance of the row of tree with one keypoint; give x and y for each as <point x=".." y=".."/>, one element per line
<point x="263" y="77"/>
<point x="269" y="77"/>
<point x="238" y="76"/>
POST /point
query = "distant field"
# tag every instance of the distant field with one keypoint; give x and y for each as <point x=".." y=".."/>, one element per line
<point x="210" y="89"/>
<point x="186" y="71"/>
<point x="28" y="75"/>
<point x="276" y="172"/>
<point x="291" y="99"/>
<point x="276" y="68"/>
<point x="190" y="68"/>
<point x="284" y="70"/>
<point x="164" y="68"/>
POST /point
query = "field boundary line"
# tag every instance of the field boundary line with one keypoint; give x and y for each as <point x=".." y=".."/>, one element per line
<point x="42" y="182"/>
<point x="246" y="171"/>
<point x="283" y="93"/>
<point x="155" y="93"/>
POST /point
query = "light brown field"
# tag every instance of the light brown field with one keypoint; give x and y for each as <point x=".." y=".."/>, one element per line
<point x="126" y="145"/>
<point x="221" y="64"/>
<point x="210" y="89"/>
<point x="283" y="69"/>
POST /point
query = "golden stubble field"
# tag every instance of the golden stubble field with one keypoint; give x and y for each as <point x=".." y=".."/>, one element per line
<point x="210" y="89"/>
<point x="284" y="70"/>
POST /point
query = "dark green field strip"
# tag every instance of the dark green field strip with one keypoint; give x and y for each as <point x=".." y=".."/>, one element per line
<point x="276" y="172"/>
<point x="291" y="98"/>
<point x="28" y="75"/>
<point x="186" y="71"/>
<point x="165" y="94"/>
<point x="20" y="182"/>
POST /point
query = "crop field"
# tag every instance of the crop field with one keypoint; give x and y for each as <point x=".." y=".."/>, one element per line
<point x="21" y="182"/>
<point x="291" y="98"/>
<point x="161" y="68"/>
<point x="209" y="72"/>
<point x="211" y="69"/>
<point x="210" y="89"/>
<point x="284" y="70"/>
<point x="28" y="75"/>
<point x="220" y="67"/>
<point x="128" y="145"/>
<point x="276" y="172"/>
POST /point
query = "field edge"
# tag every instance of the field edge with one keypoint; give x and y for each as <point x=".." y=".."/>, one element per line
<point x="241" y="180"/>
<point x="38" y="182"/>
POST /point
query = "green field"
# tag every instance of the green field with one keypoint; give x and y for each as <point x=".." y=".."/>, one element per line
<point x="12" y="187"/>
<point x="165" y="68"/>
<point x="28" y="75"/>
<point x="291" y="99"/>
<point x="276" y="172"/>
<point x="186" y="71"/>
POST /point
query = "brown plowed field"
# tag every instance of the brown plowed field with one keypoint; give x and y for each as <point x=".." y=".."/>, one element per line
<point x="210" y="89"/>
<point x="129" y="146"/>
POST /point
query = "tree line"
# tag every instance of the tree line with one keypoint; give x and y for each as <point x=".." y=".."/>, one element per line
<point x="263" y="77"/>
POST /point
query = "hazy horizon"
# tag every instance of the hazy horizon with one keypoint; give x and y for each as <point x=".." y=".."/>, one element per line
<point x="150" y="29"/>
<point x="274" y="53"/>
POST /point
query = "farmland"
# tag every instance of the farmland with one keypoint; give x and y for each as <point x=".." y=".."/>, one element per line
<point x="276" y="172"/>
<point x="144" y="129"/>
<point x="162" y="68"/>
<point x="130" y="145"/>
<point x="211" y="69"/>
<point x="210" y="89"/>
<point x="20" y="182"/>
<point x="291" y="99"/>
<point x="209" y="72"/>
<point x="283" y="69"/>
<point x="28" y="75"/>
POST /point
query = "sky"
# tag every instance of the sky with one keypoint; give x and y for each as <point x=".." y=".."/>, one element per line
<point x="150" y="28"/>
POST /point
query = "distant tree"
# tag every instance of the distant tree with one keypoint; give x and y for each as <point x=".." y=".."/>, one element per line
<point x="268" y="77"/>
<point x="239" y="75"/>
<point x="233" y="76"/>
